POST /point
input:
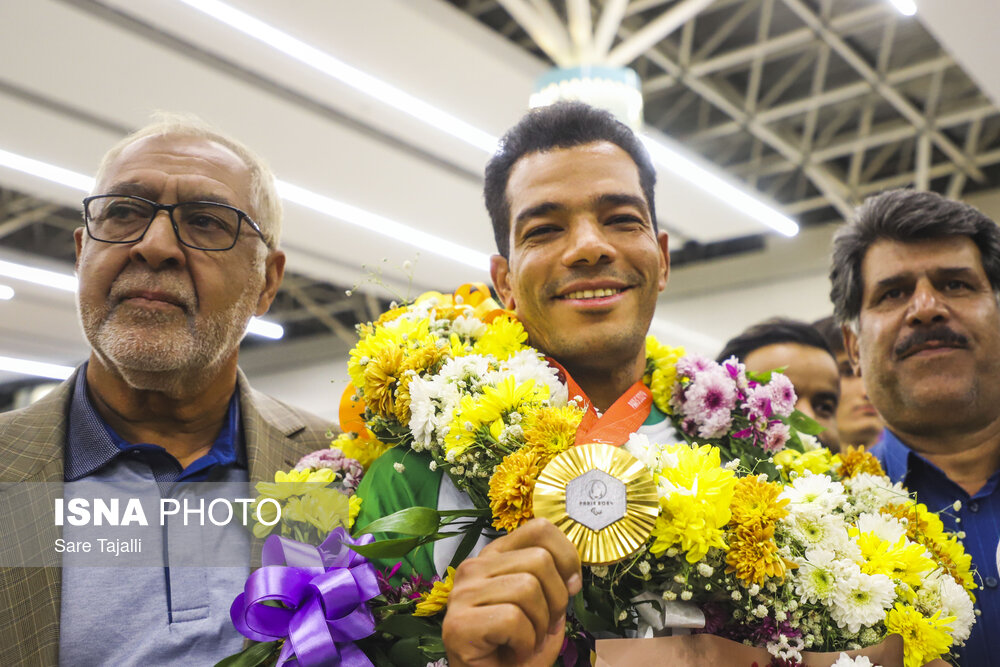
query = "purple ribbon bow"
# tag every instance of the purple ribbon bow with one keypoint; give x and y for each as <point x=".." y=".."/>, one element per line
<point x="323" y="590"/>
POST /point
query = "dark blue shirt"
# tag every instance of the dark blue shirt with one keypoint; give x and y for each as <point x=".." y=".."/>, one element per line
<point x="979" y="517"/>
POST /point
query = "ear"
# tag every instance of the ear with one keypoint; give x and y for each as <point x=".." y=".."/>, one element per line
<point x="851" y="347"/>
<point x="274" y="271"/>
<point x="78" y="243"/>
<point x="663" y="239"/>
<point x="500" y="274"/>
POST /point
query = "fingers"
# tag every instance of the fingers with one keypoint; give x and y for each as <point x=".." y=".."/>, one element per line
<point x="508" y="604"/>
<point x="544" y="534"/>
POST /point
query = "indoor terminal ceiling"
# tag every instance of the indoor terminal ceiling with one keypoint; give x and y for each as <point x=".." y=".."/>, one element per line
<point x="809" y="104"/>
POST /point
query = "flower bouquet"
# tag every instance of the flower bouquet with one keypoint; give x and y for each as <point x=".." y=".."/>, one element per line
<point x="766" y="538"/>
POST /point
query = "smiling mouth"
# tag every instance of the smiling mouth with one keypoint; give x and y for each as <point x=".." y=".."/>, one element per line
<point x="592" y="294"/>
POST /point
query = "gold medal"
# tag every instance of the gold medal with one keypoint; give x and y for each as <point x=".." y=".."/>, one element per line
<point x="603" y="499"/>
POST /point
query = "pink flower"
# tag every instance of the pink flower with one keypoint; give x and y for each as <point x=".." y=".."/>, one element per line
<point x="782" y="393"/>
<point x="776" y="437"/>
<point x="693" y="365"/>
<point x="759" y="403"/>
<point x="710" y="400"/>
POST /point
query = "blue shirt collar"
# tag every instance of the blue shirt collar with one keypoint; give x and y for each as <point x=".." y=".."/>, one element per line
<point x="91" y="443"/>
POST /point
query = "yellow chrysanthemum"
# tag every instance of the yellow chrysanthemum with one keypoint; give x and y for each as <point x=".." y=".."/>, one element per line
<point x="695" y="497"/>
<point x="400" y="334"/>
<point x="362" y="450"/>
<point x="511" y="487"/>
<point x="390" y="315"/>
<point x="551" y="431"/>
<point x="504" y="337"/>
<point x="436" y="598"/>
<point x="324" y="508"/>
<point x="924" y="638"/>
<point x="925" y="528"/>
<point x="380" y="377"/>
<point x="489" y="409"/>
<point x="903" y="560"/>
<point x="294" y="483"/>
<point x="416" y="362"/>
<point x="753" y="555"/>
<point x="354" y="508"/>
<point x="756" y="503"/>
<point x="856" y="461"/>
<point x="817" y="461"/>
<point x="661" y="371"/>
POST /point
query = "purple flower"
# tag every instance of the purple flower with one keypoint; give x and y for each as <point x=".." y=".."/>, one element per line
<point x="693" y="365"/>
<point x="776" y="437"/>
<point x="348" y="471"/>
<point x="783" y="396"/>
<point x="710" y="400"/>
<point x="759" y="403"/>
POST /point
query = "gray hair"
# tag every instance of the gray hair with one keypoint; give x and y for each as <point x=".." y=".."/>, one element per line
<point x="263" y="192"/>
<point x="906" y="216"/>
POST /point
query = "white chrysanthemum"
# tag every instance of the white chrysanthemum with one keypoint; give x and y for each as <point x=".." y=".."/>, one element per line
<point x="939" y="591"/>
<point x="529" y="365"/>
<point x="816" y="579"/>
<point x="847" y="661"/>
<point x="809" y="442"/>
<point x="468" y="327"/>
<point x="869" y="493"/>
<point x="860" y="600"/>
<point x="651" y="454"/>
<point x="886" y="528"/>
<point x="471" y="367"/>
<point x="422" y="411"/>
<point x="816" y="528"/>
<point x="819" y="492"/>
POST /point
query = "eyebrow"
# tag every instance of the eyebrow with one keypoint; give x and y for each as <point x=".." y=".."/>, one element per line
<point x="601" y="201"/>
<point x="945" y="272"/>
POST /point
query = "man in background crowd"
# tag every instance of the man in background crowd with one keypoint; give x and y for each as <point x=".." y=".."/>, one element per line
<point x="915" y="283"/>
<point x="858" y="422"/>
<point x="179" y="250"/>
<point x="803" y="355"/>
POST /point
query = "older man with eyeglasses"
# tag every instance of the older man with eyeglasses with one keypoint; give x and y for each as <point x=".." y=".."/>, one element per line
<point x="178" y="251"/>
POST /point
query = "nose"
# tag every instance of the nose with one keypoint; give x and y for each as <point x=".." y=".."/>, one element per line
<point x="588" y="243"/>
<point x="926" y="305"/>
<point x="159" y="247"/>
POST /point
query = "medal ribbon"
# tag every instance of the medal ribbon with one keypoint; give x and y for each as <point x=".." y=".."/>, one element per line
<point x="620" y="421"/>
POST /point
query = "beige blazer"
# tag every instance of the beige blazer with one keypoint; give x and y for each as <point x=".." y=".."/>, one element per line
<point x="32" y="441"/>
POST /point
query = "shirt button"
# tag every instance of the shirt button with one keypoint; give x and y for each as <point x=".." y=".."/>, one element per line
<point x="135" y="453"/>
<point x="973" y="506"/>
<point x="991" y="582"/>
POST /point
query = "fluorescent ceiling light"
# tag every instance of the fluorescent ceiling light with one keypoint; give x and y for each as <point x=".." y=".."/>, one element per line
<point x="905" y="7"/>
<point x="341" y="71"/>
<point x="38" y="276"/>
<point x="365" y="83"/>
<point x="6" y="293"/>
<point x="39" y="368"/>
<point x="384" y="226"/>
<point x="67" y="283"/>
<point x="720" y="187"/>
<point x="46" y="171"/>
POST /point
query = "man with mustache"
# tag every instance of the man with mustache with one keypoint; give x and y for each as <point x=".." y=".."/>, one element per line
<point x="582" y="262"/>
<point x="179" y="249"/>
<point x="915" y="283"/>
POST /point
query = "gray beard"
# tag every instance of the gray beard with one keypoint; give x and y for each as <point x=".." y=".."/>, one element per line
<point x="168" y="352"/>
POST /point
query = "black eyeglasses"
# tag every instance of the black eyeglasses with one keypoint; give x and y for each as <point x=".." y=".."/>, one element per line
<point x="202" y="225"/>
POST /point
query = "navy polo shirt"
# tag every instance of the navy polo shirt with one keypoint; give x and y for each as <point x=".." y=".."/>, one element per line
<point x="148" y="615"/>
<point x="979" y="517"/>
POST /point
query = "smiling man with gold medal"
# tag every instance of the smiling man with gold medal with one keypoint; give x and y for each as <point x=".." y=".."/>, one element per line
<point x="581" y="262"/>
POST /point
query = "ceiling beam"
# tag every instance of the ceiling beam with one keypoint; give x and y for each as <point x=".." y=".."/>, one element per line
<point x="891" y="95"/>
<point x="607" y="26"/>
<point x="552" y="39"/>
<point x="654" y="31"/>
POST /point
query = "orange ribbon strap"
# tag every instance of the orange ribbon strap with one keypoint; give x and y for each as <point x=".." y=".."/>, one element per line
<point x="621" y="420"/>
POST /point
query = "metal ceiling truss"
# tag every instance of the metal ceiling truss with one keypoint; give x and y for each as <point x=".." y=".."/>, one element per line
<point x="817" y="103"/>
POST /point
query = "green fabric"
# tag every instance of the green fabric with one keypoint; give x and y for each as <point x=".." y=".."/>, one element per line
<point x="655" y="416"/>
<point x="384" y="491"/>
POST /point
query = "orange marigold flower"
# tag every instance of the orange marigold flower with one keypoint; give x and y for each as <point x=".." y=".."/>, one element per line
<point x="511" y="487"/>
<point x="856" y="461"/>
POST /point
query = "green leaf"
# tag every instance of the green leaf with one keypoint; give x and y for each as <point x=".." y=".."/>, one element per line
<point x="420" y="521"/>
<point x="388" y="548"/>
<point x="252" y="656"/>
<point x="404" y="626"/>
<point x="802" y="422"/>
<point x="468" y="542"/>
<point x="591" y="622"/>
<point x="407" y="652"/>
